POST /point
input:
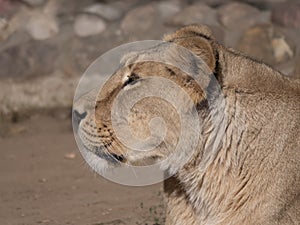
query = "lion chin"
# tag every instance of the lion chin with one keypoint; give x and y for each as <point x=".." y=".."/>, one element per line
<point x="98" y="164"/>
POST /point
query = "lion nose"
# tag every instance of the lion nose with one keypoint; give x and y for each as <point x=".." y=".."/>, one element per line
<point x="77" y="116"/>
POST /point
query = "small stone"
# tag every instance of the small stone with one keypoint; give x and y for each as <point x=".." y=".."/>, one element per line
<point x="268" y="44"/>
<point x="241" y="16"/>
<point x="4" y="26"/>
<point x="18" y="129"/>
<point x="6" y="8"/>
<point x="32" y="58"/>
<point x="197" y="13"/>
<point x="297" y="68"/>
<point x="105" y="11"/>
<point x="124" y="6"/>
<point x="43" y="180"/>
<point x="115" y="222"/>
<point x="215" y="3"/>
<point x="168" y="9"/>
<point x="32" y="94"/>
<point x="286" y="68"/>
<point x="42" y="26"/>
<point x="287" y="14"/>
<point x="281" y="49"/>
<point x="43" y="221"/>
<point x="218" y="33"/>
<point x="139" y="21"/>
<point x="70" y="155"/>
<point x="34" y="3"/>
<point x="88" y="25"/>
<point x="263" y="4"/>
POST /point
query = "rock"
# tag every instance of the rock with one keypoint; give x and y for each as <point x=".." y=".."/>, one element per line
<point x="197" y="13"/>
<point x="114" y="222"/>
<point x="263" y="4"/>
<point x="215" y="3"/>
<point x="168" y="9"/>
<point x="43" y="180"/>
<point x="88" y="25"/>
<point x="105" y="11"/>
<point x="55" y="91"/>
<point x="3" y="24"/>
<point x="5" y="7"/>
<point x="34" y="3"/>
<point x="297" y="67"/>
<point x="124" y="6"/>
<point x="287" y="14"/>
<point x="218" y="33"/>
<point x="140" y="18"/>
<point x="4" y="29"/>
<point x="70" y="155"/>
<point x="41" y="26"/>
<point x="28" y="59"/>
<point x="286" y="68"/>
<point x="139" y="21"/>
<point x="268" y="44"/>
<point x="17" y="129"/>
<point x="241" y="16"/>
<point x="281" y="49"/>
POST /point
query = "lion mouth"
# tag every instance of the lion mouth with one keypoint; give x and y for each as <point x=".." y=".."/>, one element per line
<point x="100" y="152"/>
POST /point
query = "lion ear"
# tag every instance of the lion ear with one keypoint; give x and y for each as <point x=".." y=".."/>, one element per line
<point x="190" y="31"/>
<point x="198" y="39"/>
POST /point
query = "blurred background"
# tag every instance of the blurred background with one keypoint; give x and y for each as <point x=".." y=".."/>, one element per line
<point x="46" y="45"/>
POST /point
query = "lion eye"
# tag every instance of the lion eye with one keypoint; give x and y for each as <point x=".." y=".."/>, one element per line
<point x="132" y="79"/>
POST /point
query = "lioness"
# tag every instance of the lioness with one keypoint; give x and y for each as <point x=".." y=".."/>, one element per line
<point x="253" y="177"/>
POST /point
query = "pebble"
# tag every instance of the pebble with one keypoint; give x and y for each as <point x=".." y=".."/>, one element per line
<point x="17" y="129"/>
<point x="266" y="43"/>
<point x="197" y="13"/>
<point x="168" y="9"/>
<point x="31" y="58"/>
<point x="139" y="18"/>
<point x="36" y="93"/>
<point x="215" y="3"/>
<point x="70" y="155"/>
<point x="297" y="67"/>
<point x="241" y="16"/>
<point x="281" y="49"/>
<point x="143" y="22"/>
<point x="88" y="25"/>
<point x="41" y="26"/>
<point x="25" y="52"/>
<point x="264" y="4"/>
<point x="44" y="221"/>
<point x="105" y="11"/>
<point x="287" y="14"/>
<point x="43" y="180"/>
<point x="34" y="3"/>
<point x="4" y="26"/>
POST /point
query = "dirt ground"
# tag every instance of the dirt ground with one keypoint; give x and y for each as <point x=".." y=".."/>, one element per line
<point x="41" y="182"/>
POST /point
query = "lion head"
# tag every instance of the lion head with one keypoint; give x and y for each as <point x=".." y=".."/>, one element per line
<point x="152" y="117"/>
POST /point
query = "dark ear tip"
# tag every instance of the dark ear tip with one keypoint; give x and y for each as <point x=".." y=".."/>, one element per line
<point x="191" y="30"/>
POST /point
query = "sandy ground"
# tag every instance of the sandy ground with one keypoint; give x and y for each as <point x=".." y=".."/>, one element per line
<point x="40" y="185"/>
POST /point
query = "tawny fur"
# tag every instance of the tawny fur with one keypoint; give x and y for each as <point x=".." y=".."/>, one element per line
<point x="254" y="177"/>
